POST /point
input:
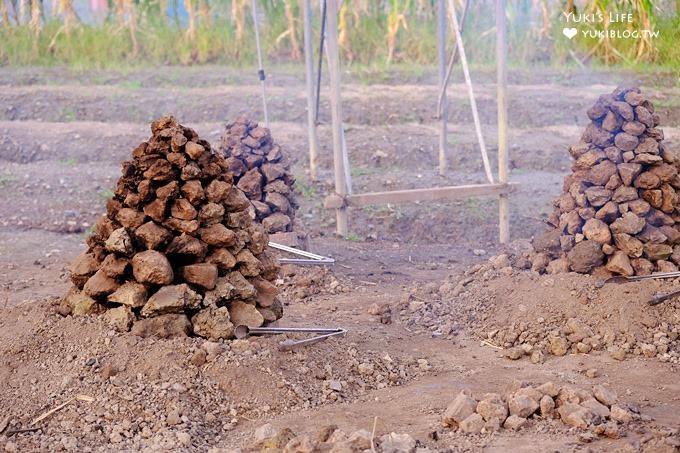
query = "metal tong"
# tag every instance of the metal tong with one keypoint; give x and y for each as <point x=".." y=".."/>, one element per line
<point x="635" y="278"/>
<point x="311" y="259"/>
<point x="656" y="298"/>
<point x="288" y="345"/>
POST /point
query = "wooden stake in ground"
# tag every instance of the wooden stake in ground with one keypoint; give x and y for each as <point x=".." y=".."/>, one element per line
<point x="336" y="115"/>
<point x="501" y="54"/>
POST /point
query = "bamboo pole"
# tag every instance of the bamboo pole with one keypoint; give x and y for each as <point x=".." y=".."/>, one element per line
<point x="471" y="94"/>
<point x="419" y="195"/>
<point x="309" y="74"/>
<point x="452" y="61"/>
<point x="502" y="80"/>
<point x="260" y="72"/>
<point x="336" y="113"/>
<point x="322" y="45"/>
<point x="444" y="112"/>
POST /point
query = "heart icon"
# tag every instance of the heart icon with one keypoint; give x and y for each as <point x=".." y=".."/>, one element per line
<point x="569" y="32"/>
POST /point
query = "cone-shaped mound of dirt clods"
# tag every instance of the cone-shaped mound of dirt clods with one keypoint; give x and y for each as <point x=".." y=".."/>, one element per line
<point x="177" y="250"/>
<point x="262" y="172"/>
<point x="619" y="205"/>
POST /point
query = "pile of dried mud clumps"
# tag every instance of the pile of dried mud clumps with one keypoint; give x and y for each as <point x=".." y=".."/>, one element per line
<point x="598" y="410"/>
<point x="177" y="251"/>
<point x="618" y="211"/>
<point x="262" y="172"/>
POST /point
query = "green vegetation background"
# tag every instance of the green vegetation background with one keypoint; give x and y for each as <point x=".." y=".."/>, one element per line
<point x="535" y="35"/>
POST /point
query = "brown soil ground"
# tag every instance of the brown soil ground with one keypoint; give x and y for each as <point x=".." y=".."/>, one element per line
<point x="62" y="138"/>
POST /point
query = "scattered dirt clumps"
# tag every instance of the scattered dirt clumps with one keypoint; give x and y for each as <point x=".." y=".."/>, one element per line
<point x="177" y="250"/>
<point x="262" y="172"/>
<point x="299" y="282"/>
<point x="598" y="410"/>
<point x="331" y="438"/>
<point x="150" y="395"/>
<point x="536" y="316"/>
<point x="618" y="213"/>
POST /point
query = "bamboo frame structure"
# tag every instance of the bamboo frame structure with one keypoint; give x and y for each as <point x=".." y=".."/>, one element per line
<point x="502" y="188"/>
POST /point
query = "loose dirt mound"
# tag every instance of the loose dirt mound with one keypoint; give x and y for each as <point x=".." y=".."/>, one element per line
<point x="619" y="204"/>
<point x="177" y="243"/>
<point x="469" y="421"/>
<point x="171" y="395"/>
<point x="529" y="314"/>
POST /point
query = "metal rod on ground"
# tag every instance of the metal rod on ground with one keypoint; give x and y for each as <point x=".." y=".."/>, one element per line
<point x="312" y="259"/>
<point x="309" y="75"/>
<point x="260" y="71"/>
<point x="306" y="262"/>
<point x="443" y="105"/>
<point x="659" y="298"/>
<point x="452" y="62"/>
<point x="243" y="331"/>
<point x="471" y="94"/>
<point x="322" y="39"/>
<point x="287" y="345"/>
<point x="502" y="81"/>
<point x="336" y="114"/>
<point x="635" y="278"/>
<point x="304" y="253"/>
